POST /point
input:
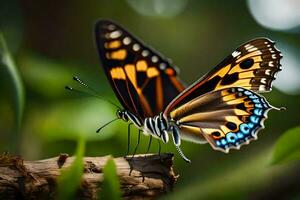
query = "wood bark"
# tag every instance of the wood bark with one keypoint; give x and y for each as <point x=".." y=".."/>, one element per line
<point x="143" y="177"/>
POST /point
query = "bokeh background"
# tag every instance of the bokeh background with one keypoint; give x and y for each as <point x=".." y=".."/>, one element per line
<point x="50" y="42"/>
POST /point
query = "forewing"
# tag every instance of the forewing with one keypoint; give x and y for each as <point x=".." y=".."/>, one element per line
<point x="142" y="79"/>
<point x="252" y="66"/>
<point x="226" y="118"/>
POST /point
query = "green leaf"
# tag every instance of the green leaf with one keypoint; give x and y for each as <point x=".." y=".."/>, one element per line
<point x="110" y="186"/>
<point x="70" y="178"/>
<point x="287" y="148"/>
<point x="8" y="64"/>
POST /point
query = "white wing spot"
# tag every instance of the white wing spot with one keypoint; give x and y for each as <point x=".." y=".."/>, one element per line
<point x="162" y="66"/>
<point x="154" y="59"/>
<point x="136" y="47"/>
<point x="263" y="80"/>
<point x="249" y="47"/>
<point x="115" y="34"/>
<point x="236" y="54"/>
<point x="145" y="53"/>
<point x="126" y="40"/>
<point x="111" y="27"/>
<point x="262" y="88"/>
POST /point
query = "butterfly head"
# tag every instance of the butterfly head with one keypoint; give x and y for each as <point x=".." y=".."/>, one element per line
<point x="121" y="114"/>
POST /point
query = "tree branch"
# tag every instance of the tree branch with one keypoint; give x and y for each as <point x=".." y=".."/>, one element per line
<point x="145" y="176"/>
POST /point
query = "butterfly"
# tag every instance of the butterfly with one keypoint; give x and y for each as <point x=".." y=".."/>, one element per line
<point x="221" y="108"/>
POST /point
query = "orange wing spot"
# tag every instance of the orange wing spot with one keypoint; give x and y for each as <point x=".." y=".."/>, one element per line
<point x="141" y="65"/>
<point x="169" y="71"/>
<point x="152" y="72"/>
<point x="119" y="55"/>
<point x="248" y="74"/>
<point x="225" y="129"/>
<point x="112" y="45"/>
<point x="229" y="97"/>
<point x="240" y="112"/>
<point x="233" y="119"/>
<point x="221" y="72"/>
<point x="257" y="59"/>
<point x="117" y="73"/>
<point x="131" y="73"/>
<point x="235" y="101"/>
<point x="249" y="104"/>
<point x="252" y="54"/>
<point x="159" y="95"/>
<point x="177" y="84"/>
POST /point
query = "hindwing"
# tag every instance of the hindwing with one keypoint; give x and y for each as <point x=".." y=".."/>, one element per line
<point x="226" y="118"/>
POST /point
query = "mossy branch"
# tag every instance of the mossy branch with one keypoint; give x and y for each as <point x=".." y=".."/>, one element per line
<point x="143" y="177"/>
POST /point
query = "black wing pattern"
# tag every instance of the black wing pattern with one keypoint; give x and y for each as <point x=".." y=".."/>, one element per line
<point x="253" y="66"/>
<point x="142" y="79"/>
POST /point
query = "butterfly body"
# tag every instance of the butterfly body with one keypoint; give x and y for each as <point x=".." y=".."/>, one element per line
<point x="221" y="108"/>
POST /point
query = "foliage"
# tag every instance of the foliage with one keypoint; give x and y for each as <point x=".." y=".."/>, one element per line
<point x="287" y="147"/>
<point x="7" y="62"/>
<point x="70" y="178"/>
<point x="110" y="186"/>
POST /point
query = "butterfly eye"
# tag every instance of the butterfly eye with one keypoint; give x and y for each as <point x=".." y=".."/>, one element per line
<point x="119" y="114"/>
<point x="216" y="134"/>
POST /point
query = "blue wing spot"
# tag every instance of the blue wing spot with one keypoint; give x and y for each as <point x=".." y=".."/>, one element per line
<point x="231" y="137"/>
<point x="240" y="135"/>
<point x="258" y="105"/>
<point x="251" y="125"/>
<point x="245" y="128"/>
<point x="255" y="101"/>
<point x="254" y="119"/>
<point x="218" y="143"/>
<point x="240" y="89"/>
<point x="247" y="92"/>
<point x="223" y="141"/>
<point x="258" y="112"/>
<point x="253" y="96"/>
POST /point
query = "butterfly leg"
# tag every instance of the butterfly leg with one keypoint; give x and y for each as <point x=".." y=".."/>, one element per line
<point x="128" y="139"/>
<point x="138" y="142"/>
<point x="159" y="150"/>
<point x="177" y="142"/>
<point x="149" y="144"/>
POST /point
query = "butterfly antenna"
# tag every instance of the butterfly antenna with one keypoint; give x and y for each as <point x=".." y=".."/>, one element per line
<point x="99" y="129"/>
<point x="78" y="80"/>
<point x="92" y="94"/>
<point x="182" y="155"/>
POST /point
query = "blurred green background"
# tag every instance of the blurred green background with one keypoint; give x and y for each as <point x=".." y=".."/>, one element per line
<point x="50" y="42"/>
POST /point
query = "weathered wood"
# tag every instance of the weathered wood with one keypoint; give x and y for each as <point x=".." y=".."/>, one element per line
<point x="143" y="177"/>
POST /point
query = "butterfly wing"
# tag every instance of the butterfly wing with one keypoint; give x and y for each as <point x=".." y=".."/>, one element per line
<point x="226" y="118"/>
<point x="252" y="66"/>
<point x="144" y="82"/>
